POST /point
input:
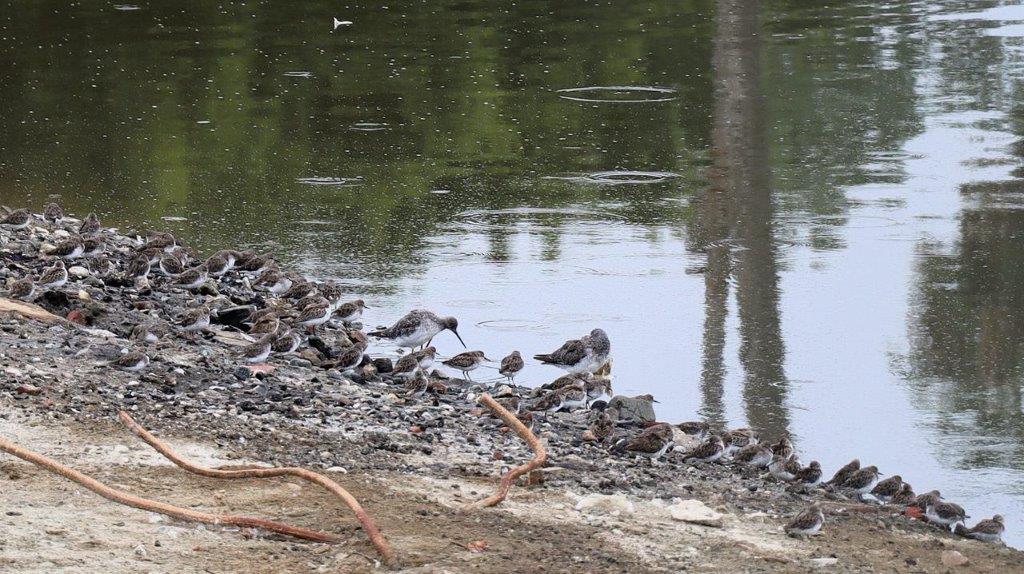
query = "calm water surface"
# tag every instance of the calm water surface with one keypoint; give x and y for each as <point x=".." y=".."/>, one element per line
<point x="802" y="218"/>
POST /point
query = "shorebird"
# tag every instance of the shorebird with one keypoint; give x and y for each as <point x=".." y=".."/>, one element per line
<point x="597" y="387"/>
<point x="192" y="278"/>
<point x="90" y="225"/>
<point x="888" y="488"/>
<point x="710" y="450"/>
<point x="652" y="442"/>
<point x="16" y="220"/>
<point x="511" y="365"/>
<point x="741" y="437"/>
<point x="810" y="474"/>
<point x="350" y="359"/>
<point x="862" y="481"/>
<point x="602" y="428"/>
<point x="249" y="261"/>
<point x="697" y="429"/>
<point x="195" y="320"/>
<point x="53" y="278"/>
<point x="23" y="288"/>
<point x="138" y="267"/>
<point x="311" y="300"/>
<point x="332" y="293"/>
<point x="426" y="357"/>
<point x="783" y="448"/>
<point x="988" y="530"/>
<point x="807" y="522"/>
<point x="144" y="333"/>
<point x="586" y="354"/>
<point x="930" y="498"/>
<point x="266" y="325"/>
<point x="755" y="455"/>
<point x="905" y="497"/>
<point x="406" y="367"/>
<point x="566" y="381"/>
<point x="563" y="398"/>
<point x="844" y="473"/>
<point x="287" y="342"/>
<point x="313" y="317"/>
<point x="417" y="385"/>
<point x="133" y="361"/>
<point x="53" y="212"/>
<point x="160" y="240"/>
<point x="170" y="264"/>
<point x="217" y="264"/>
<point x="417" y="328"/>
<point x="278" y="283"/>
<point x="70" y="248"/>
<point x="466" y="362"/>
<point x="299" y="289"/>
<point x="351" y="312"/>
<point x="229" y="256"/>
<point x="258" y="351"/>
<point x="92" y="247"/>
<point x="784" y="469"/>
<point x="945" y="513"/>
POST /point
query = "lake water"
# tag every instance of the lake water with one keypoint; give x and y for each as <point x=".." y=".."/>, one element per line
<point x="801" y="218"/>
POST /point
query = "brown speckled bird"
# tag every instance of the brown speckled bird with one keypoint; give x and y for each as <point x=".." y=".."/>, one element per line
<point x="807" y="522"/>
<point x="511" y="365"/>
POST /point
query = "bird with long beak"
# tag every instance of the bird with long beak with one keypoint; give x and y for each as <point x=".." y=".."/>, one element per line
<point x="418" y="328"/>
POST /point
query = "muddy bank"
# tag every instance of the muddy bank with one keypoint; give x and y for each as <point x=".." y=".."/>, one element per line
<point x="414" y="460"/>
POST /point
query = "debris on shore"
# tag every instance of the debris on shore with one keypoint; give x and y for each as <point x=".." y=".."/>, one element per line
<point x="230" y="349"/>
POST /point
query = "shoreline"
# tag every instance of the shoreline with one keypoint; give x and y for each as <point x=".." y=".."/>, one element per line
<point x="436" y="448"/>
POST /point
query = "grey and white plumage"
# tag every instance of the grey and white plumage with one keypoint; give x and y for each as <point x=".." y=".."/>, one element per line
<point x="653" y="441"/>
<point x="133" y="361"/>
<point x="17" y="219"/>
<point x="217" y="264"/>
<point x="844" y="472"/>
<point x="418" y="327"/>
<point x="160" y="240"/>
<point x="562" y="398"/>
<point x="810" y="474"/>
<point x="171" y="265"/>
<point x="192" y="278"/>
<point x="988" y="530"/>
<point x="863" y="480"/>
<point x="697" y="429"/>
<point x="586" y="354"/>
<point x="466" y="362"/>
<point x="287" y="342"/>
<point x="53" y="278"/>
<point x="53" y="212"/>
<point x="945" y="513"/>
<point x="511" y="365"/>
<point x="138" y="267"/>
<point x="755" y="455"/>
<point x="259" y="351"/>
<point x="70" y="248"/>
<point x="90" y="225"/>
<point x="807" y="522"/>
<point x="597" y="387"/>
<point x="425" y="357"/>
<point x="905" y="497"/>
<point x="23" y="288"/>
<point x="279" y="284"/>
<point x="195" y="320"/>
<point x="888" y="488"/>
<point x="710" y="450"/>
<point x="351" y="311"/>
<point x="784" y="469"/>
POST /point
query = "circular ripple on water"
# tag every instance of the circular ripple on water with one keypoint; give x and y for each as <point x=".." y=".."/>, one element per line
<point x="369" y="127"/>
<point x="331" y="181"/>
<point x="493" y="218"/>
<point x="618" y="94"/>
<point x="511" y="325"/>
<point x="619" y="177"/>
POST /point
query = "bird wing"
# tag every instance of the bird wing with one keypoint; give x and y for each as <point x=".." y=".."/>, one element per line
<point x="570" y="353"/>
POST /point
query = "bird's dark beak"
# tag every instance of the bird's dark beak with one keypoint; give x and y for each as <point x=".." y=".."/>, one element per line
<point x="460" y="339"/>
<point x="655" y="401"/>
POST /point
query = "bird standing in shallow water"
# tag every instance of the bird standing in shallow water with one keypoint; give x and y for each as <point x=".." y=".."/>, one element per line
<point x="807" y="523"/>
<point x="586" y="354"/>
<point x="511" y="365"/>
<point x="466" y="362"/>
<point x="418" y="328"/>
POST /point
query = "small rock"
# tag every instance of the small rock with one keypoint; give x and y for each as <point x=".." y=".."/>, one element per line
<point x="823" y="562"/>
<point x="605" y="504"/>
<point x="953" y="558"/>
<point x="78" y="272"/>
<point x="695" y="512"/>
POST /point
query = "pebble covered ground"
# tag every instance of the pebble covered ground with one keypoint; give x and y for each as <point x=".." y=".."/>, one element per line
<point x="439" y="448"/>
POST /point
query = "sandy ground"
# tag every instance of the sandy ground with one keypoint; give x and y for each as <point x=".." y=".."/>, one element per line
<point x="49" y="524"/>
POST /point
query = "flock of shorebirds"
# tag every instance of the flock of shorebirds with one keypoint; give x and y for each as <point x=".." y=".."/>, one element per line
<point x="298" y="307"/>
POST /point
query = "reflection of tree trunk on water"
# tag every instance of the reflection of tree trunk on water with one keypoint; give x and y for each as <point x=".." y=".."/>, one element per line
<point x="736" y="211"/>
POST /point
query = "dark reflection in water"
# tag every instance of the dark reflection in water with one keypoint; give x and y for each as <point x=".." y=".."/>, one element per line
<point x="813" y="225"/>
